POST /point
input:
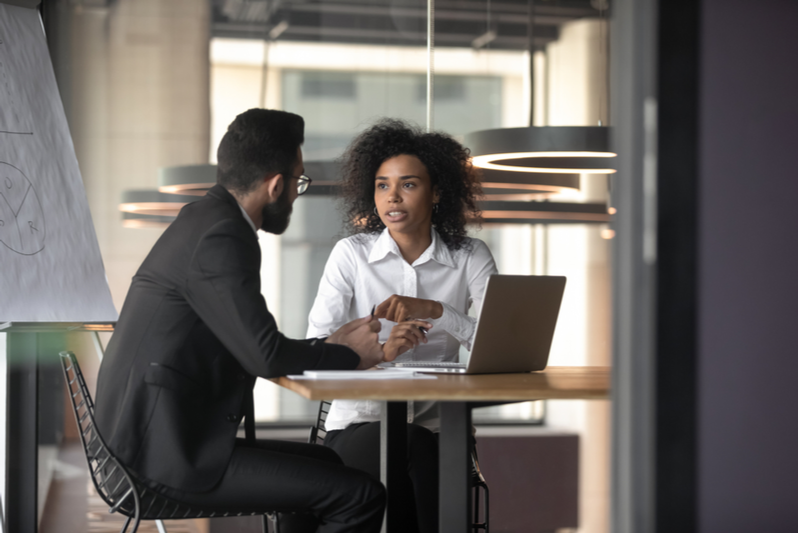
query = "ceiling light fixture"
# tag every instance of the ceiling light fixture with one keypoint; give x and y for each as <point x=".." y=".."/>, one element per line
<point x="192" y="180"/>
<point x="501" y="185"/>
<point x="138" y="221"/>
<point x="493" y="212"/>
<point x="196" y="180"/>
<point x="543" y="149"/>
<point x="153" y="203"/>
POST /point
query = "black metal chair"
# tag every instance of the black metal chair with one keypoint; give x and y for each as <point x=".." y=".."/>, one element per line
<point x="317" y="436"/>
<point x="116" y="486"/>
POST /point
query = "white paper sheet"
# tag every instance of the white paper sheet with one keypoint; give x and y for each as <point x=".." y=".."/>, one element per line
<point x="50" y="264"/>
<point x="360" y="374"/>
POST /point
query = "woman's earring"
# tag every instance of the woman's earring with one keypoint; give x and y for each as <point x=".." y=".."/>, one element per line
<point x="375" y="209"/>
<point x="435" y="208"/>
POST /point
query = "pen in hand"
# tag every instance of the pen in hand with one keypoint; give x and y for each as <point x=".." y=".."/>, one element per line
<point x="423" y="330"/>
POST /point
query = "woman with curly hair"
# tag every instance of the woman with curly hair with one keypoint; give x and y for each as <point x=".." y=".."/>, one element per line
<point x="408" y="196"/>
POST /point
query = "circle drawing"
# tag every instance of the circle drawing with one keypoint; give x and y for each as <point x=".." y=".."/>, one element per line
<point x="22" y="224"/>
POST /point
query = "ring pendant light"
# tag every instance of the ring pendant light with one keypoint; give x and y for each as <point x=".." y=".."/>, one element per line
<point x="502" y="185"/>
<point x="194" y="180"/>
<point x="139" y="221"/>
<point x="498" y="182"/>
<point x="495" y="212"/>
<point x="543" y="149"/>
<point x="149" y="208"/>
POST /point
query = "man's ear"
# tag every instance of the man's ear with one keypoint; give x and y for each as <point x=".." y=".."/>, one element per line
<point x="274" y="184"/>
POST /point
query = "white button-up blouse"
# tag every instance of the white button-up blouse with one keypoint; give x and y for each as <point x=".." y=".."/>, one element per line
<point x="366" y="269"/>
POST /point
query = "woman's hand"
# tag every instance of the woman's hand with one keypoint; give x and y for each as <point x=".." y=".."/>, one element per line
<point x="401" y="308"/>
<point x="405" y="336"/>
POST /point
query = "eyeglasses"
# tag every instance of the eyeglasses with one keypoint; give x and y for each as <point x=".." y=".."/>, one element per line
<point x="302" y="184"/>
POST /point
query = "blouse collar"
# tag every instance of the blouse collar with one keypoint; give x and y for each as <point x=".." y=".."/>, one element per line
<point x="437" y="251"/>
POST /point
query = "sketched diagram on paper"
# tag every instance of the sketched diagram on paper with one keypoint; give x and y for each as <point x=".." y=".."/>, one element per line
<point x="22" y="225"/>
<point x="14" y="118"/>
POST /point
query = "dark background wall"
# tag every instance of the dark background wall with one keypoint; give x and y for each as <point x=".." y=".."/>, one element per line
<point x="747" y="267"/>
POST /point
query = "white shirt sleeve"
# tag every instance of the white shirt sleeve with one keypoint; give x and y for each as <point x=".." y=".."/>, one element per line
<point x="331" y="309"/>
<point x="480" y="265"/>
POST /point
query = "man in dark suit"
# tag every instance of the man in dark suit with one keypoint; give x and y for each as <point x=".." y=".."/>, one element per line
<point x="194" y="333"/>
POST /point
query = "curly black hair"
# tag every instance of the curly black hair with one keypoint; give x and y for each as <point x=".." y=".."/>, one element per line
<point x="448" y="164"/>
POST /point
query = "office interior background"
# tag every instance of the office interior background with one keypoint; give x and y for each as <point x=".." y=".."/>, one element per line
<point x="704" y="333"/>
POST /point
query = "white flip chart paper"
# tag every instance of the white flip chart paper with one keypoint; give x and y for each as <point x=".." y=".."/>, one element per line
<point x="50" y="264"/>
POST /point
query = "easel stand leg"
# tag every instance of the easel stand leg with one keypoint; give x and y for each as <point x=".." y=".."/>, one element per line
<point x="23" y="426"/>
<point x="394" y="458"/>
<point x="454" y="467"/>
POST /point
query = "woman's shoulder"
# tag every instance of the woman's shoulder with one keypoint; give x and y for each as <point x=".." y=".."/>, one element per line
<point x="474" y="255"/>
<point x="476" y="243"/>
<point x="360" y="239"/>
<point x="360" y="243"/>
<point x="471" y="246"/>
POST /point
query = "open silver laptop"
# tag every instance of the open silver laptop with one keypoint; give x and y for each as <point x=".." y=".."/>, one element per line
<point x="515" y="327"/>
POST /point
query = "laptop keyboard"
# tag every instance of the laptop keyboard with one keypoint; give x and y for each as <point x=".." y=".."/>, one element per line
<point x="430" y="364"/>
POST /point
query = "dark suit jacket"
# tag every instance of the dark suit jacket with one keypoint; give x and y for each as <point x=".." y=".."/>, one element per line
<point x="193" y="334"/>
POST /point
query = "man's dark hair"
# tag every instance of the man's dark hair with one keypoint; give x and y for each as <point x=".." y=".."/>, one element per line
<point x="258" y="142"/>
<point x="448" y="165"/>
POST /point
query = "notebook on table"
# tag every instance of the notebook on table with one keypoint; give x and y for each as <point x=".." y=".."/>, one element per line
<point x="515" y="327"/>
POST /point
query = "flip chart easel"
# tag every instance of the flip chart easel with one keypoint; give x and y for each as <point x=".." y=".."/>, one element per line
<point x="51" y="273"/>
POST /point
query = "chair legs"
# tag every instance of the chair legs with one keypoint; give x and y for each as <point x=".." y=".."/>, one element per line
<point x="270" y="517"/>
<point x="477" y="524"/>
<point x="475" y="509"/>
<point x="486" y="508"/>
<point x="265" y="519"/>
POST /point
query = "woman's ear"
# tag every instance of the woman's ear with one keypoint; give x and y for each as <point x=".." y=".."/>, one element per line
<point x="435" y="195"/>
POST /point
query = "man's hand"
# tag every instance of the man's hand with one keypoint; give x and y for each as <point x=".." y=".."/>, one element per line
<point x="361" y="335"/>
<point x="401" y="308"/>
<point x="405" y="336"/>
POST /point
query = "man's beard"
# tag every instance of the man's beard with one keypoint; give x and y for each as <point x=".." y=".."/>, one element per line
<point x="275" y="216"/>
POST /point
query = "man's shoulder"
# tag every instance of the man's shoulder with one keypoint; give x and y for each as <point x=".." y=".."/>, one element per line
<point x="212" y="204"/>
<point x="211" y="212"/>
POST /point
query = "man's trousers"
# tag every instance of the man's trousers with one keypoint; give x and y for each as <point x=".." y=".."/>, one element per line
<point x="292" y="477"/>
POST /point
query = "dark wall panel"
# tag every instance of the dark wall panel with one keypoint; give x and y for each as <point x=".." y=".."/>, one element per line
<point x="533" y="482"/>
<point x="747" y="373"/>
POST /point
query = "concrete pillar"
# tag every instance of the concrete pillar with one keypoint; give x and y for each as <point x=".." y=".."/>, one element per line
<point x="136" y="89"/>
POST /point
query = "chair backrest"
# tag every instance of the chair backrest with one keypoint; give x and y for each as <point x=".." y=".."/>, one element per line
<point x="317" y="434"/>
<point x="112" y="482"/>
<point x="121" y="490"/>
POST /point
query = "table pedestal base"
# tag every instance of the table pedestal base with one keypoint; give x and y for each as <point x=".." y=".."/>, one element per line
<point x="393" y="445"/>
<point x="454" y="467"/>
